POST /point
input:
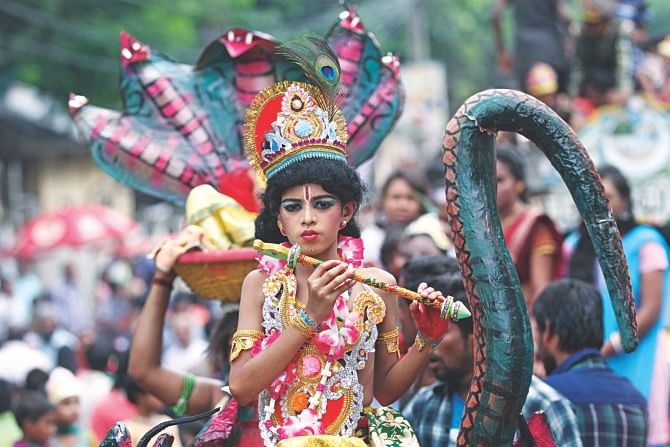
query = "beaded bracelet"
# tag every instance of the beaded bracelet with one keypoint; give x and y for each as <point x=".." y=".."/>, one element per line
<point x="308" y="321"/>
<point x="301" y="326"/>
<point x="186" y="389"/>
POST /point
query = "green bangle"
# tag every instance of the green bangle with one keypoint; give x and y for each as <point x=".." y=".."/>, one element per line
<point x="186" y="389"/>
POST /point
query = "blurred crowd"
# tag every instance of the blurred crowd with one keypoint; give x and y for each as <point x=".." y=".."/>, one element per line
<point x="63" y="372"/>
<point x="576" y="67"/>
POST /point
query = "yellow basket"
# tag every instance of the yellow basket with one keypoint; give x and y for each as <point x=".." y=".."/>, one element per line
<point x="217" y="274"/>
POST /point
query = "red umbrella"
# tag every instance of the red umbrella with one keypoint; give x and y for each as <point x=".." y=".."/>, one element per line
<point x="73" y="226"/>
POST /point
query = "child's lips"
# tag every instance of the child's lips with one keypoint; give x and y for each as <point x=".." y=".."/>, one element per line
<point x="309" y="235"/>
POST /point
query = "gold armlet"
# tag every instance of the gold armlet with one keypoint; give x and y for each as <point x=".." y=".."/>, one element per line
<point x="301" y="326"/>
<point x="243" y="341"/>
<point x="391" y="339"/>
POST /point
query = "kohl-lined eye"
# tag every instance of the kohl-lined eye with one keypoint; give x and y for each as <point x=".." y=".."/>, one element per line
<point x="291" y="205"/>
<point x="324" y="202"/>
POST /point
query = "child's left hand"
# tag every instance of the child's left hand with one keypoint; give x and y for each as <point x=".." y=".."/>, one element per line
<point x="428" y="319"/>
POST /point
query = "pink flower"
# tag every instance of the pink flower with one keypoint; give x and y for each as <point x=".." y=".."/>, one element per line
<point x="350" y="250"/>
<point x="341" y="329"/>
<point x="269" y="264"/>
<point x="310" y="365"/>
<point x="306" y="423"/>
<point x="266" y="341"/>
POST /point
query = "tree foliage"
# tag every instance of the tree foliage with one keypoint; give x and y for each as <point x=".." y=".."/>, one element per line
<point x="65" y="45"/>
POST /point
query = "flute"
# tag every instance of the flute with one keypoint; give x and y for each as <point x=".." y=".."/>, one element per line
<point x="448" y="307"/>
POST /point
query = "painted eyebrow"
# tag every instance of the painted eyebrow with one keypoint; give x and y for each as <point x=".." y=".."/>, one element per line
<point x="300" y="199"/>
<point x="324" y="196"/>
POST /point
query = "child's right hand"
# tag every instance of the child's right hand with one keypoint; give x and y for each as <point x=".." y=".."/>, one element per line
<point x="328" y="281"/>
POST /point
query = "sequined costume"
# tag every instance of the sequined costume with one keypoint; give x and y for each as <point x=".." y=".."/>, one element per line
<point x="316" y="380"/>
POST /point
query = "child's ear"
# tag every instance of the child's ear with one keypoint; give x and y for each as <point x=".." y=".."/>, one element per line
<point x="348" y="211"/>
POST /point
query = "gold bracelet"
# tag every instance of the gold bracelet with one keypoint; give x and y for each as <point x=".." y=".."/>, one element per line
<point x="391" y="339"/>
<point x="299" y="325"/>
<point x="243" y="341"/>
<point x="420" y="343"/>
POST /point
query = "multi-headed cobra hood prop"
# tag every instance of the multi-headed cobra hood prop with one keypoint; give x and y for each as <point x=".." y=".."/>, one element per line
<point x="502" y="336"/>
<point x="182" y="126"/>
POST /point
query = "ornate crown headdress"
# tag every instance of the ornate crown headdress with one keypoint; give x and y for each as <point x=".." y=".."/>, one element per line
<point x="181" y="126"/>
<point x="292" y="121"/>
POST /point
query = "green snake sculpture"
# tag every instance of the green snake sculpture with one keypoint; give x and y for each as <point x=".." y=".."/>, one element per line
<point x="502" y="336"/>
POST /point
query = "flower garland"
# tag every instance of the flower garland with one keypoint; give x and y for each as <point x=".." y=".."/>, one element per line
<point x="336" y="332"/>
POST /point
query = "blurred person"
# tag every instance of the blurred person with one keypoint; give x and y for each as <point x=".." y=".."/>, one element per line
<point x="189" y="303"/>
<point x="11" y="312"/>
<point x="113" y="308"/>
<point x="647" y="253"/>
<point x="114" y="406"/>
<point x="610" y="411"/>
<point x="36" y="380"/>
<point x="637" y="11"/>
<point x="148" y="415"/>
<point x="654" y="73"/>
<point x="220" y="339"/>
<point x="421" y="239"/>
<point x="540" y="36"/>
<point x="597" y="91"/>
<point x="391" y="254"/>
<point x="9" y="429"/>
<point x="145" y="360"/>
<point x="68" y="299"/>
<point x="27" y="288"/>
<point x="51" y="338"/>
<point x="435" y="411"/>
<point x="533" y="240"/>
<point x="425" y="237"/>
<point x="186" y="350"/>
<point x="600" y="50"/>
<point x="542" y="82"/>
<point x="64" y="392"/>
<point x="36" y="417"/>
<point x="416" y="270"/>
<point x="403" y="198"/>
<point x="95" y="379"/>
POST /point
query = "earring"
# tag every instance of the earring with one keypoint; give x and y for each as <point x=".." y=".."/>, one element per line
<point x="343" y="224"/>
<point x="281" y="229"/>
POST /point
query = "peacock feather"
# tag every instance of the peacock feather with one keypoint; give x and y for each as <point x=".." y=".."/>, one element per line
<point x="319" y="63"/>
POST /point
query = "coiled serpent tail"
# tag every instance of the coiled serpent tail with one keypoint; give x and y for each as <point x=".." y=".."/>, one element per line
<point x="503" y="343"/>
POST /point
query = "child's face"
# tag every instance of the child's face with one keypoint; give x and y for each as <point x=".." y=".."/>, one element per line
<point x="67" y="411"/>
<point x="41" y="430"/>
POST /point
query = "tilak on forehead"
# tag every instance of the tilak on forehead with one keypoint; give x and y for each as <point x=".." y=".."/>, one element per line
<point x="306" y="192"/>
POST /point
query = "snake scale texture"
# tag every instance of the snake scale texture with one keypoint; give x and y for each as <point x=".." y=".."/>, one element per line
<point x="503" y="348"/>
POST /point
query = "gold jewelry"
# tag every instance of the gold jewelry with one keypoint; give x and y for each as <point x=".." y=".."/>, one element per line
<point x="281" y="229"/>
<point x="420" y="343"/>
<point x="343" y="224"/>
<point x="301" y="326"/>
<point x="391" y="339"/>
<point x="243" y="341"/>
